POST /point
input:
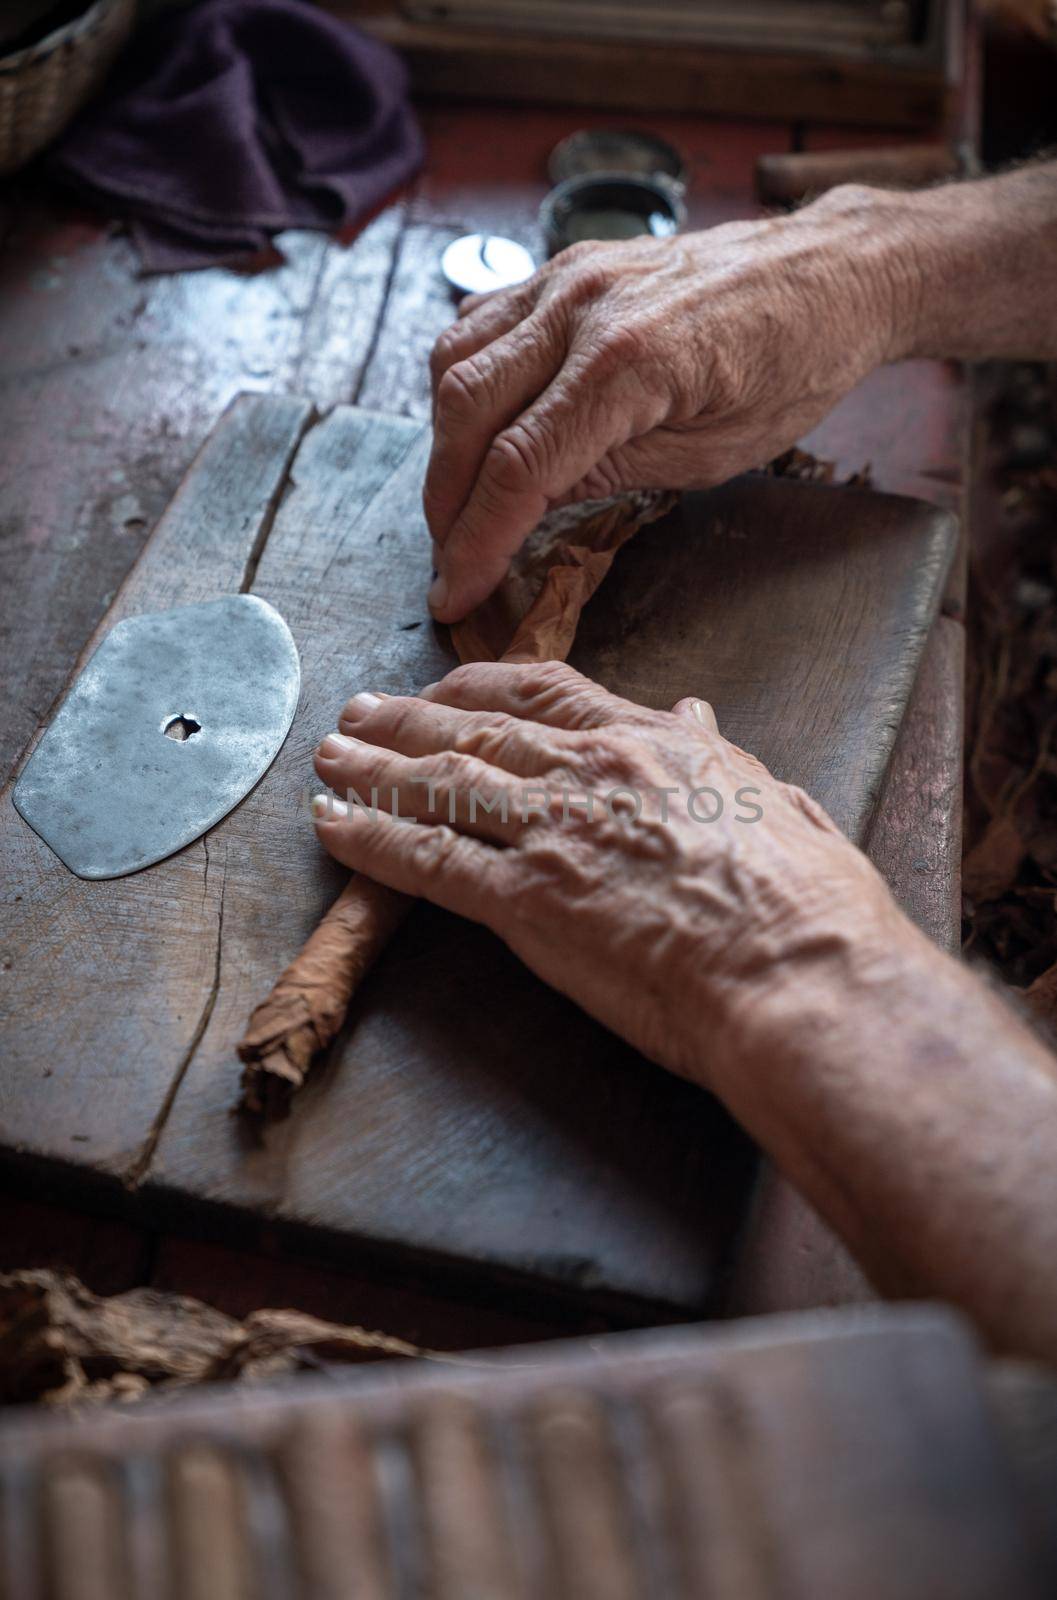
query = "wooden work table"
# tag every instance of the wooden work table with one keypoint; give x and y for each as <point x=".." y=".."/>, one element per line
<point x="110" y="383"/>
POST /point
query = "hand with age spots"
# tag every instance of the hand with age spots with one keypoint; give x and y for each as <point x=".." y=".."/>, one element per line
<point x="695" y="867"/>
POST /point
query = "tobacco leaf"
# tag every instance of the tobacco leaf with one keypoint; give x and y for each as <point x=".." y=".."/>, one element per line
<point x="1041" y="998"/>
<point x="63" y="1345"/>
<point x="991" y="866"/>
<point x="534" y="613"/>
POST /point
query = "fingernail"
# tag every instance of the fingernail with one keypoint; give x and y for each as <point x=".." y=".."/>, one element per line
<point x="438" y="594"/>
<point x="699" y="712"/>
<point x="360" y="704"/>
<point x="335" y="745"/>
<point x="328" y="808"/>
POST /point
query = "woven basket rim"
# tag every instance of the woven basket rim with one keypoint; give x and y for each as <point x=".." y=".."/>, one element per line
<point x="66" y="34"/>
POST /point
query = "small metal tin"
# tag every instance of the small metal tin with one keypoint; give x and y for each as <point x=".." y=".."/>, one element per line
<point x="594" y="150"/>
<point x="480" y="262"/>
<point x="611" y="205"/>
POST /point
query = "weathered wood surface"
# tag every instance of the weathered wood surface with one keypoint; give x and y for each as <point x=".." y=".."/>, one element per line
<point x="469" y="1113"/>
<point x="787" y="1259"/>
<point x="108" y="384"/>
<point x="915" y="838"/>
<point x="824" y="1456"/>
<point x="445" y="1121"/>
<point x="108" y="989"/>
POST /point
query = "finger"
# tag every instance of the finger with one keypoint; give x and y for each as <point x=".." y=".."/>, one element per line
<point x="476" y="398"/>
<point x="548" y="692"/>
<point x="461" y="874"/>
<point x="482" y="318"/>
<point x="460" y="790"/>
<point x="418" y="727"/>
<point x="530" y="464"/>
<point x="700" y="710"/>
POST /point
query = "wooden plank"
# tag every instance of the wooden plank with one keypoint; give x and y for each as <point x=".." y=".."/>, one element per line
<point x="787" y="1258"/>
<point x="106" y="983"/>
<point x="478" y="64"/>
<point x="823" y="1456"/>
<point x="109" y="384"/>
<point x="801" y="175"/>
<point x="915" y="839"/>
<point x="1023" y="1400"/>
<point x="484" y="1145"/>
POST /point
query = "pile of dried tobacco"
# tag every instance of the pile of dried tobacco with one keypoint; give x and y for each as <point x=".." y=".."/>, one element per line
<point x="1010" y="869"/>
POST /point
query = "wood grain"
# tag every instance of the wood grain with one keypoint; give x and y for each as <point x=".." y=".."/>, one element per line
<point x="108" y="385"/>
<point x="826" y="1456"/>
<point x="787" y="1259"/>
<point x="106" y="983"/>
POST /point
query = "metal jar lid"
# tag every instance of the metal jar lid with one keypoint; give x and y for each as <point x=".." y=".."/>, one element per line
<point x="611" y="205"/>
<point x="478" y="263"/>
<point x="594" y="150"/>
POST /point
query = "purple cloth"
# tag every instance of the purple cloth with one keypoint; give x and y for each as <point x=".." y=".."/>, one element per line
<point x="234" y="119"/>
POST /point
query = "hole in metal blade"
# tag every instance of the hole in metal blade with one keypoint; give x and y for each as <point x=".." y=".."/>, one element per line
<point x="181" y="728"/>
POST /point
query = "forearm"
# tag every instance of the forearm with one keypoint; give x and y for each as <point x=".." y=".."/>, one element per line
<point x="917" y="1114"/>
<point x="969" y="270"/>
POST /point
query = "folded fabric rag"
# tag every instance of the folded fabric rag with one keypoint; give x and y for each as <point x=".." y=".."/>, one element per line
<point x="229" y="121"/>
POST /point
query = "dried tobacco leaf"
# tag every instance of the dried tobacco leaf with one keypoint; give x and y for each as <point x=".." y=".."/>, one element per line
<point x="1010" y="865"/>
<point x="63" y="1345"/>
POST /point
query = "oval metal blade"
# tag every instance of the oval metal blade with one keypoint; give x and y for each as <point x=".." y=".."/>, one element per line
<point x="171" y="723"/>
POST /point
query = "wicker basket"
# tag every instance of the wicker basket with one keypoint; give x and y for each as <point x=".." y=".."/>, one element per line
<point x="42" y="86"/>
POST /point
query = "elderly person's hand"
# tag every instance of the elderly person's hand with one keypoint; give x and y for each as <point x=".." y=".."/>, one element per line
<point x="697" y="878"/>
<point x="650" y="364"/>
<point x="758" y="954"/>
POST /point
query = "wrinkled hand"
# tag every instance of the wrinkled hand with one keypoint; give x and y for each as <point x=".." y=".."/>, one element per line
<point x="650" y="364"/>
<point x="655" y="919"/>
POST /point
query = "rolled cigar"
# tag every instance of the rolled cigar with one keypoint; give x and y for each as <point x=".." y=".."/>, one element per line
<point x="532" y="616"/>
<point x="311" y="999"/>
<point x="788" y="178"/>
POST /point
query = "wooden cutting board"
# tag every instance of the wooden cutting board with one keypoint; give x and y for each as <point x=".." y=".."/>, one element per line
<point x="469" y="1119"/>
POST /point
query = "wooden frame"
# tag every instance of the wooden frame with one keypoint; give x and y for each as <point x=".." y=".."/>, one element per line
<point x="905" y="86"/>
